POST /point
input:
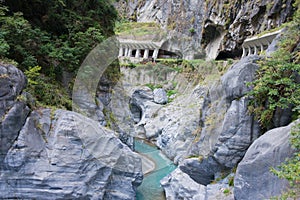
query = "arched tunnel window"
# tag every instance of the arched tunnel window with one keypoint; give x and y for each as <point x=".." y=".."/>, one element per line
<point x="223" y="55"/>
<point x="211" y="34"/>
<point x="167" y="54"/>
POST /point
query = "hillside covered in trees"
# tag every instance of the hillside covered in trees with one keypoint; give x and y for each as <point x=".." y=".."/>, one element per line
<point x="46" y="38"/>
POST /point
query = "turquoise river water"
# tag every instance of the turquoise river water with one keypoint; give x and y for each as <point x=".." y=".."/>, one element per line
<point x="151" y="189"/>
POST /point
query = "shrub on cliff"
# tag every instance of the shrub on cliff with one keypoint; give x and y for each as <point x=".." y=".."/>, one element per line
<point x="277" y="81"/>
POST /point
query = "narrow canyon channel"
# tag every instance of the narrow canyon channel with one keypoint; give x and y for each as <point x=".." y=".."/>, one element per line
<point x="155" y="167"/>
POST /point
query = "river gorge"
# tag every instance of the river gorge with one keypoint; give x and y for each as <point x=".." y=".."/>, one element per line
<point x="149" y="100"/>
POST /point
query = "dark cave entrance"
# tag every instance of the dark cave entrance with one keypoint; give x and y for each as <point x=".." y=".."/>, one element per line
<point x="136" y="112"/>
<point x="235" y="54"/>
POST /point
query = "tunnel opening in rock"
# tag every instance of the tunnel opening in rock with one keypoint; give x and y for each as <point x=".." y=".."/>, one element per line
<point x="212" y="38"/>
<point x="167" y="54"/>
<point x="224" y="55"/>
<point x="210" y="34"/>
<point x="168" y="50"/>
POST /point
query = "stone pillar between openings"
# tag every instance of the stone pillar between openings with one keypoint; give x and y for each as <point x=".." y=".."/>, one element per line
<point x="244" y="52"/>
<point x="146" y="53"/>
<point x="261" y="47"/>
<point x="137" y="53"/>
<point x="155" y="53"/>
<point x="126" y="52"/>
<point x="249" y="51"/>
<point x="121" y="51"/>
<point x="129" y="53"/>
<point x="255" y="50"/>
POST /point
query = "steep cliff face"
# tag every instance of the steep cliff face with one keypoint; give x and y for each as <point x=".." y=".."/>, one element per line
<point x="228" y="23"/>
<point x="216" y="27"/>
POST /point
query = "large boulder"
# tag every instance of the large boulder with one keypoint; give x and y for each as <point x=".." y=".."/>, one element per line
<point x="253" y="179"/>
<point x="13" y="112"/>
<point x="179" y="185"/>
<point x="64" y="155"/>
<point x="201" y="170"/>
<point x="160" y="96"/>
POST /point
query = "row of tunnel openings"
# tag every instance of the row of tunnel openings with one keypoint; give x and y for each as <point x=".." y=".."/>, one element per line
<point x="161" y="53"/>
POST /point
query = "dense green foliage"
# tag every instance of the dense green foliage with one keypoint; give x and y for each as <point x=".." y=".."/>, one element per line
<point x="56" y="35"/>
<point x="277" y="84"/>
<point x="46" y="91"/>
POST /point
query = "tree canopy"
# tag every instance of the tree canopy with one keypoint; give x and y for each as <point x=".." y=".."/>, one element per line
<point x="55" y="35"/>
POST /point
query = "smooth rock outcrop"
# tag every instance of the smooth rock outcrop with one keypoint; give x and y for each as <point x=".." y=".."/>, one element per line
<point x="235" y="80"/>
<point x="253" y="179"/>
<point x="64" y="155"/>
<point x="179" y="185"/>
<point x="160" y="96"/>
<point x="239" y="131"/>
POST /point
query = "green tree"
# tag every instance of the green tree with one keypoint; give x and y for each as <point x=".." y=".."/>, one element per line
<point x="277" y="84"/>
<point x="55" y="35"/>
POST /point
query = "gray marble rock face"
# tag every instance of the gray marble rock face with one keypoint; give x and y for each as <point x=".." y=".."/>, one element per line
<point x="235" y="80"/>
<point x="227" y="128"/>
<point x="172" y="125"/>
<point x="13" y="112"/>
<point x="64" y="155"/>
<point x="220" y="26"/>
<point x="178" y="185"/>
<point x="239" y="131"/>
<point x="253" y="179"/>
<point x="12" y="82"/>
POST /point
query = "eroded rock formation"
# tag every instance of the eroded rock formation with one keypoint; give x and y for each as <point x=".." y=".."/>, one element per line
<point x="59" y="154"/>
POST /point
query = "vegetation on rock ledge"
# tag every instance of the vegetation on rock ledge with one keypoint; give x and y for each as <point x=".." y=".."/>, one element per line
<point x="277" y="85"/>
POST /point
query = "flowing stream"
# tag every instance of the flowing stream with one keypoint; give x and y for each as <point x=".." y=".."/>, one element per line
<point x="151" y="189"/>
